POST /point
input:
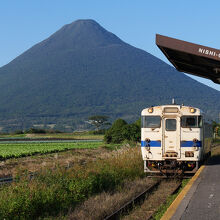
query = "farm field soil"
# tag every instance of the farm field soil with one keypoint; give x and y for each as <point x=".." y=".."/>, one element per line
<point x="68" y="158"/>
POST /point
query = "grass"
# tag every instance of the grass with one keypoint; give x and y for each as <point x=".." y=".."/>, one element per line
<point x="14" y="150"/>
<point x="98" y="206"/>
<point x="74" y="135"/>
<point x="67" y="158"/>
<point x="217" y="139"/>
<point x="215" y="151"/>
<point x="111" y="147"/>
<point x="56" y="191"/>
<point x="12" y="135"/>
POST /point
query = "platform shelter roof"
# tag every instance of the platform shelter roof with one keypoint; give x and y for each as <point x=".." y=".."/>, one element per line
<point x="191" y="58"/>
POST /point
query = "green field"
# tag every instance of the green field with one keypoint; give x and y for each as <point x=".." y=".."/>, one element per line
<point x="13" y="150"/>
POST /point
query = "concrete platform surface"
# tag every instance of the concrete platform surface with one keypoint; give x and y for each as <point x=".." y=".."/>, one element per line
<point x="202" y="201"/>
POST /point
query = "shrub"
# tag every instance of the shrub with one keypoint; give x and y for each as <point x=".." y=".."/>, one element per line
<point x="35" y="131"/>
<point x="131" y="132"/>
<point x="121" y="131"/>
<point x="17" y="132"/>
<point x="100" y="131"/>
<point x="115" y="133"/>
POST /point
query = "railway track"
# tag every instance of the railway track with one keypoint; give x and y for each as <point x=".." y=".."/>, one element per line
<point x="174" y="191"/>
<point x="6" y="180"/>
<point x="138" y="200"/>
<point x="10" y="179"/>
<point x="129" y="205"/>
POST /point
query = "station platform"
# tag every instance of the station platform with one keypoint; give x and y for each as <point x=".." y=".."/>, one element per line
<point x="200" y="198"/>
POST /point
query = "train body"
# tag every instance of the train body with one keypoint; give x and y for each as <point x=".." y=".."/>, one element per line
<point x="173" y="139"/>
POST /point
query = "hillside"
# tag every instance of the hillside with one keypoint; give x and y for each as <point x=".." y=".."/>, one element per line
<point x="82" y="70"/>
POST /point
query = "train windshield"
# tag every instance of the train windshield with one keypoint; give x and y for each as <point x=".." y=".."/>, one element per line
<point x="150" y="121"/>
<point x="171" y="124"/>
<point x="191" y="121"/>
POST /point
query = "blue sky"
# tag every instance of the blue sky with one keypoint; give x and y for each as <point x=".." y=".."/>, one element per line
<point x="24" y="23"/>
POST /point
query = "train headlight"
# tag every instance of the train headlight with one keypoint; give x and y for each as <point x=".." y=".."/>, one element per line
<point x="195" y="140"/>
<point x="150" y="110"/>
<point x="192" y="110"/>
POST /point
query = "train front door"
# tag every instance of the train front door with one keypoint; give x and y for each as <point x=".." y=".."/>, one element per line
<point x="171" y="137"/>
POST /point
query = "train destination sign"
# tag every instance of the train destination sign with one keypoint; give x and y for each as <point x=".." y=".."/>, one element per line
<point x="191" y="58"/>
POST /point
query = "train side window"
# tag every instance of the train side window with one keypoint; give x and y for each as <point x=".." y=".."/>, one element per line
<point x="150" y="121"/>
<point x="171" y="124"/>
<point x="200" y="122"/>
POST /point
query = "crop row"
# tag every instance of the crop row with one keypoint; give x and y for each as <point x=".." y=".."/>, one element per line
<point x="13" y="150"/>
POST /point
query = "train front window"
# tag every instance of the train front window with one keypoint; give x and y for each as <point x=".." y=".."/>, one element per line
<point x="150" y="121"/>
<point x="191" y="121"/>
<point x="171" y="124"/>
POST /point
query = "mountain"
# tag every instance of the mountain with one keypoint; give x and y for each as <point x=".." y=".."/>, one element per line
<point x="83" y="70"/>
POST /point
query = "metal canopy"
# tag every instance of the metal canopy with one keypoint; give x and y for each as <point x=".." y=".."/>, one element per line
<point x="191" y="58"/>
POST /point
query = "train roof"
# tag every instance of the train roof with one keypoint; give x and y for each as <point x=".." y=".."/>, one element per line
<point x="172" y="105"/>
<point x="184" y="108"/>
<point x="191" y="58"/>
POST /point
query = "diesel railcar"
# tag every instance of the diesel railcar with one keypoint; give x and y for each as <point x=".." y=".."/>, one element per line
<point x="174" y="139"/>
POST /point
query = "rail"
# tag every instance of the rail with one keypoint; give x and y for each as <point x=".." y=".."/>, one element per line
<point x="6" y="180"/>
<point x="175" y="190"/>
<point x="11" y="179"/>
<point x="129" y="205"/>
<point x="138" y="200"/>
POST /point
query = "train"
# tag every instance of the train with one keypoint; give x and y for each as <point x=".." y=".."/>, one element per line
<point x="175" y="139"/>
